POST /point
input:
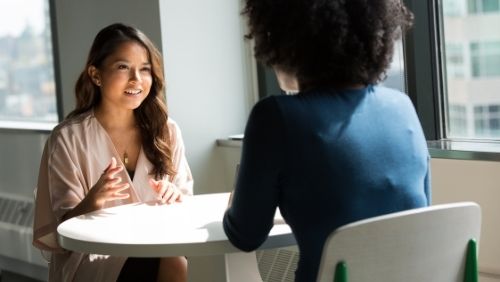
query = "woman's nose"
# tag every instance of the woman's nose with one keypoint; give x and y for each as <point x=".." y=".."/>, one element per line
<point x="135" y="75"/>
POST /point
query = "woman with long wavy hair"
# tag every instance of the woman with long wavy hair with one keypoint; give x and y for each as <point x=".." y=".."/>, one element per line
<point x="117" y="146"/>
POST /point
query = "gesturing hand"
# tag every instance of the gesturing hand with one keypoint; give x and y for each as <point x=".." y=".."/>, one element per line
<point x="109" y="187"/>
<point x="167" y="192"/>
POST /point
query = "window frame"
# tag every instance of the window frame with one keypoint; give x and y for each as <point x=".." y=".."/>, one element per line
<point x="426" y="79"/>
<point x="424" y="54"/>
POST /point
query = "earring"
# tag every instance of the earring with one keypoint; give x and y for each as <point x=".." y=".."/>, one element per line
<point x="98" y="82"/>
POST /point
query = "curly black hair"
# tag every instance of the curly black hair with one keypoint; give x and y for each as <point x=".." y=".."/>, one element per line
<point x="327" y="43"/>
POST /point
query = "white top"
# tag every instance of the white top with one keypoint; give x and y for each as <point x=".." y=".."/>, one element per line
<point x="190" y="228"/>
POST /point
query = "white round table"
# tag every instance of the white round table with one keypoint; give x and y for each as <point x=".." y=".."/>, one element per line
<point x="192" y="228"/>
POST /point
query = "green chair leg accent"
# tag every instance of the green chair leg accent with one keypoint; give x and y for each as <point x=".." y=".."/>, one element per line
<point x="471" y="271"/>
<point x="340" y="272"/>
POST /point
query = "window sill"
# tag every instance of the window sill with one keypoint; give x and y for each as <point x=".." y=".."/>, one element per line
<point x="229" y="143"/>
<point x="27" y="126"/>
<point x="440" y="149"/>
<point x="465" y="150"/>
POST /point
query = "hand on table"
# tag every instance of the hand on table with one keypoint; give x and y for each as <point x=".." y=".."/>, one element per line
<point x="168" y="193"/>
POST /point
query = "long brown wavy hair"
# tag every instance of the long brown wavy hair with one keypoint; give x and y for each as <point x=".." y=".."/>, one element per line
<point x="152" y="114"/>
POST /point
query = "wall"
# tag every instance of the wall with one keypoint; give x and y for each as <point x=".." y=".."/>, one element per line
<point x="209" y="86"/>
<point x="478" y="181"/>
<point x="20" y="153"/>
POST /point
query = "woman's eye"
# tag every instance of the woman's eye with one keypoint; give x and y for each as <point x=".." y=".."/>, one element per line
<point x="146" y="69"/>
<point x="122" y="67"/>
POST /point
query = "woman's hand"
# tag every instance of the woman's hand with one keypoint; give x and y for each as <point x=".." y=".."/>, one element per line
<point x="168" y="193"/>
<point x="109" y="187"/>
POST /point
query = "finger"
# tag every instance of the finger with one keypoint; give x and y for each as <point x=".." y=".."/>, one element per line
<point x="180" y="198"/>
<point x="118" y="197"/>
<point x="122" y="187"/>
<point x="112" y="172"/>
<point x="168" y="195"/>
<point x="120" y="194"/>
<point x="117" y="190"/>
<point x="109" y="180"/>
<point x="163" y="189"/>
<point x="113" y="162"/>
<point x="120" y="191"/>
<point x="174" y="196"/>
<point x="114" y="181"/>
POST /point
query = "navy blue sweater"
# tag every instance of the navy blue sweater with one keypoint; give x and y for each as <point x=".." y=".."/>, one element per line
<point x="326" y="158"/>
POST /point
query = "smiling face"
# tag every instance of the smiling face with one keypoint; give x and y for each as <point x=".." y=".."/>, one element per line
<point x="124" y="78"/>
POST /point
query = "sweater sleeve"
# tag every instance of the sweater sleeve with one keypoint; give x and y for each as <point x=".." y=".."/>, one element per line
<point x="250" y="218"/>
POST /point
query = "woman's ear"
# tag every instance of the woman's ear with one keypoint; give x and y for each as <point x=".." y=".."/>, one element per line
<point x="287" y="82"/>
<point x="93" y="72"/>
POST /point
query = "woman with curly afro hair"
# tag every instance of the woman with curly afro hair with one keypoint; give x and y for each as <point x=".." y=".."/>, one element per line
<point x="343" y="148"/>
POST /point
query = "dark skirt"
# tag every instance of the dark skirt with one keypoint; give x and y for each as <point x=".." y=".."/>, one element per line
<point x="139" y="269"/>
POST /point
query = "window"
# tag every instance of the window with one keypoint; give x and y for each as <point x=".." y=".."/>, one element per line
<point x="483" y="6"/>
<point x="485" y="58"/>
<point x="454" y="8"/>
<point x="487" y="121"/>
<point x="27" y="81"/>
<point x="458" y="119"/>
<point x="472" y="67"/>
<point x="455" y="61"/>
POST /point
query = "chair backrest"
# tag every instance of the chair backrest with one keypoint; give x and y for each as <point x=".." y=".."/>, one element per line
<point x="425" y="244"/>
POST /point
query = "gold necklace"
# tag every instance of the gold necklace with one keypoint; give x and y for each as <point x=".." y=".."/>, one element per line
<point x="125" y="157"/>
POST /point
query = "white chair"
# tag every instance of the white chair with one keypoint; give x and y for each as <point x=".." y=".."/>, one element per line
<point x="431" y="244"/>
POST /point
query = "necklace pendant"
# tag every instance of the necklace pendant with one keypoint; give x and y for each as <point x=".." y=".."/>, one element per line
<point x="125" y="158"/>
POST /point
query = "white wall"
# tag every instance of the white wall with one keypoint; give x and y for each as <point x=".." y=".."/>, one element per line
<point x="208" y="82"/>
<point x="478" y="181"/>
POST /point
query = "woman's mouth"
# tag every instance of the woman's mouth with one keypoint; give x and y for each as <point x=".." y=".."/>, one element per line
<point x="133" y="92"/>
